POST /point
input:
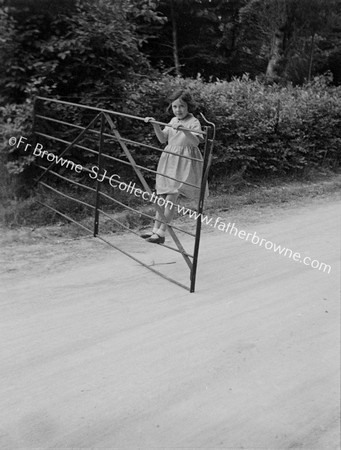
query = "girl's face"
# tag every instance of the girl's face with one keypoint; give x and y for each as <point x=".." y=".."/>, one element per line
<point x="180" y="108"/>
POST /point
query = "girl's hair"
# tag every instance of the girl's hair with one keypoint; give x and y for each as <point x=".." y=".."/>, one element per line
<point x="185" y="96"/>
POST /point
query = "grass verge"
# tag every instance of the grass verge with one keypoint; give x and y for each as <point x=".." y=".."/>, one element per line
<point x="272" y="193"/>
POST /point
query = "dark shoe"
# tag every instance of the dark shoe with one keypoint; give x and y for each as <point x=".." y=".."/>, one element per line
<point x="156" y="240"/>
<point x="146" y="235"/>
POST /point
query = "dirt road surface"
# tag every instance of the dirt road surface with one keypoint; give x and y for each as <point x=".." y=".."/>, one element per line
<point x="97" y="352"/>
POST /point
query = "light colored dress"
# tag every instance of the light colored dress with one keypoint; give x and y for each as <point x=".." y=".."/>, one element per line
<point x="182" y="169"/>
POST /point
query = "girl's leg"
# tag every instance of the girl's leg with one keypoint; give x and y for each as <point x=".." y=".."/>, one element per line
<point x="159" y="230"/>
<point x="158" y="218"/>
<point x="169" y="210"/>
<point x="157" y="221"/>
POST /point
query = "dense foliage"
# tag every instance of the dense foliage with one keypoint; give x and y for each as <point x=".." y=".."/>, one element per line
<point x="252" y="65"/>
<point x="87" y="48"/>
<point x="261" y="129"/>
<point x="284" y="39"/>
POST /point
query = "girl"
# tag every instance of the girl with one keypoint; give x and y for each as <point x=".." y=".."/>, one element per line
<point x="180" y="143"/>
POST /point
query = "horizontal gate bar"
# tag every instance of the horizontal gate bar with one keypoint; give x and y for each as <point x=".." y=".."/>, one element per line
<point x="113" y="158"/>
<point x="65" y="195"/>
<point x="115" y="247"/>
<point x="108" y="111"/>
<point x="115" y="220"/>
<point x="109" y="116"/>
<point x="147" y="189"/>
<point x="71" y="144"/>
<point x="128" y="141"/>
<point x="142" y="213"/>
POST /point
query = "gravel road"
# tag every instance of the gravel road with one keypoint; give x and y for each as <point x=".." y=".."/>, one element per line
<point x="99" y="353"/>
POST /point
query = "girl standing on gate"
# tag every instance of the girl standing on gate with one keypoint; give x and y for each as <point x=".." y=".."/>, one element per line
<point x="175" y="169"/>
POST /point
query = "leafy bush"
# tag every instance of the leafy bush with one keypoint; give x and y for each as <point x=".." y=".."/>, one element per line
<point x="261" y="130"/>
<point x="74" y="48"/>
<point x="16" y="120"/>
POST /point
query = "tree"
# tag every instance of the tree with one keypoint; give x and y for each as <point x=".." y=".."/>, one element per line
<point x="175" y="39"/>
<point x="199" y="36"/>
<point x="287" y="32"/>
<point x="86" y="50"/>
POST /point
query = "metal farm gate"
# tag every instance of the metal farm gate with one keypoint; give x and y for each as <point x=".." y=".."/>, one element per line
<point x="99" y="129"/>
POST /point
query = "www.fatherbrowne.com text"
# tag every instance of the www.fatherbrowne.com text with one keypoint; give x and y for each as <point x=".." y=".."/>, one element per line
<point x="114" y="181"/>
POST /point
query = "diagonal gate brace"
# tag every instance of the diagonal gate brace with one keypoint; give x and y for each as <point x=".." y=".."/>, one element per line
<point x="147" y="188"/>
<point x="105" y="117"/>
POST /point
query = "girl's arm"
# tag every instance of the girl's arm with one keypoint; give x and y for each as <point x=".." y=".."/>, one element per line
<point x="158" y="131"/>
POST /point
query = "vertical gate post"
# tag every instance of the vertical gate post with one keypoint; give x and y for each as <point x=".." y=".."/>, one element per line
<point x="200" y="210"/>
<point x="34" y="122"/>
<point x="106" y="116"/>
<point x="98" y="184"/>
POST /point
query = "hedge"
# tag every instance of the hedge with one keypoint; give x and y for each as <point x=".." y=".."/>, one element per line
<point x="262" y="129"/>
